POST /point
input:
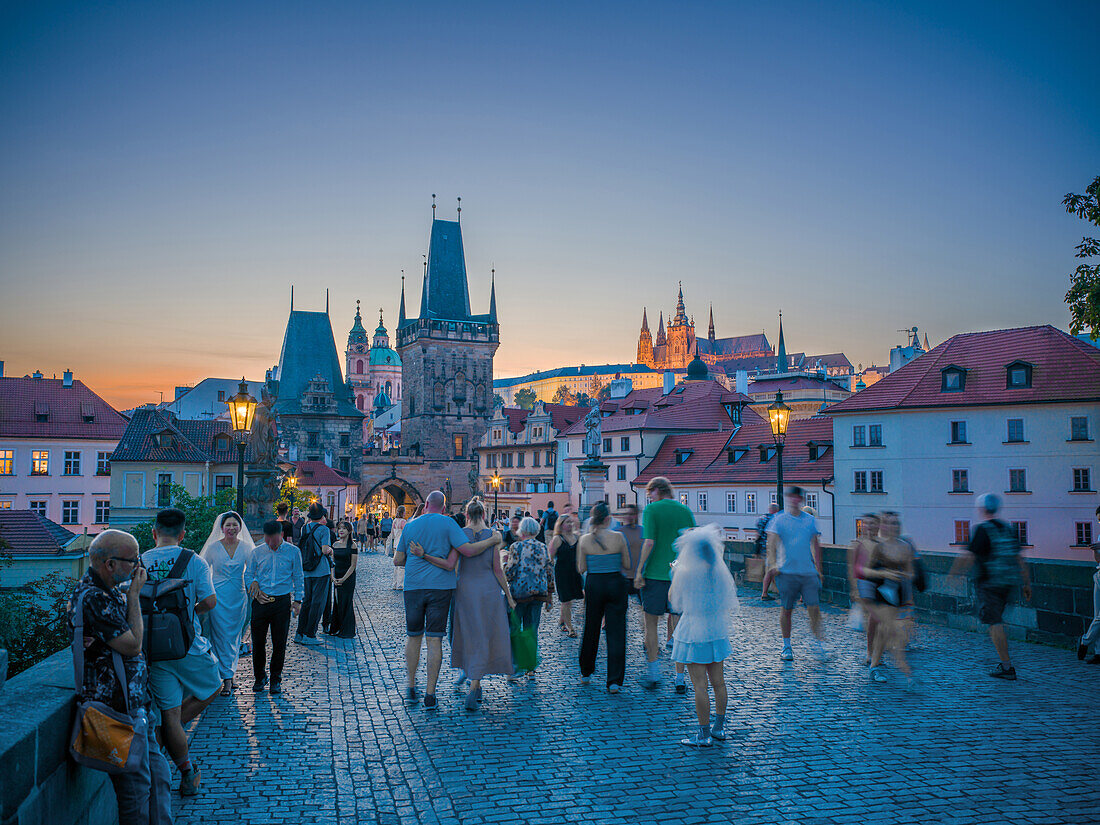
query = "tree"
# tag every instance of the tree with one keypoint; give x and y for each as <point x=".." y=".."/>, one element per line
<point x="498" y="401"/>
<point x="200" y="513"/>
<point x="1083" y="297"/>
<point x="563" y="396"/>
<point x="295" y="497"/>
<point x="595" y="387"/>
<point x="32" y="617"/>
<point x="525" y="399"/>
<point x="604" y="393"/>
<point x="584" y="400"/>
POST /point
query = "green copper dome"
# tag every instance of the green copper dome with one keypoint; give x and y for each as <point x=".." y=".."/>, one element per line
<point x="383" y="357"/>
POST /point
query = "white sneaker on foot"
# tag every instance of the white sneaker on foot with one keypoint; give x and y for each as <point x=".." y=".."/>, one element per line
<point x="786" y="654"/>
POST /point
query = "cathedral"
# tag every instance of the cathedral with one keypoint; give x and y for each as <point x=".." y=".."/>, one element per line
<point x="374" y="372"/>
<point x="676" y="347"/>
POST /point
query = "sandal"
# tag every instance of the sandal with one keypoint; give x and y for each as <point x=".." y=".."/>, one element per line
<point x="572" y="634"/>
<point x="227" y="691"/>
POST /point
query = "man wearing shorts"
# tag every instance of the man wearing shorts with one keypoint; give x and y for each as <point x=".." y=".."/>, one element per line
<point x="794" y="555"/>
<point x="662" y="522"/>
<point x="429" y="587"/>
<point x="182" y="687"/>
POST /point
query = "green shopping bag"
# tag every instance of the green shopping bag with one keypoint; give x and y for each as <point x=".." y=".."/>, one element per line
<point x="525" y="644"/>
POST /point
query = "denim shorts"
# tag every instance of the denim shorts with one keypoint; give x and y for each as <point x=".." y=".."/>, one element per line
<point x="655" y="597"/>
<point x="426" y="612"/>
<point x="172" y="681"/>
<point x="794" y="585"/>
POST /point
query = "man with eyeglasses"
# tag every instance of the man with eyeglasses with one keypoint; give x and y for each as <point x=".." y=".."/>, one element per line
<point x="112" y="623"/>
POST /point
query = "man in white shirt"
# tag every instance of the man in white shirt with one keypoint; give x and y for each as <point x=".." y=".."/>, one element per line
<point x="794" y="556"/>
<point x="275" y="583"/>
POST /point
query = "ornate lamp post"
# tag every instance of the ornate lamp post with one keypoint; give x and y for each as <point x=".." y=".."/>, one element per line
<point x="496" y="494"/>
<point x="242" y="408"/>
<point x="779" y="415"/>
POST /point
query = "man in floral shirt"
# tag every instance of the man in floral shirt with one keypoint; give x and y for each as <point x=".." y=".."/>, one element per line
<point x="112" y="623"/>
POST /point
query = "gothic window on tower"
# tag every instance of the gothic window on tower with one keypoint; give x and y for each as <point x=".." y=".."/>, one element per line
<point x="460" y="445"/>
<point x="438" y="395"/>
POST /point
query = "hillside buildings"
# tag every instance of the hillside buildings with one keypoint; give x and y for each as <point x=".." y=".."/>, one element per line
<point x="587" y="379"/>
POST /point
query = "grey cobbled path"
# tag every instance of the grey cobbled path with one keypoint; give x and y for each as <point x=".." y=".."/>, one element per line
<point x="809" y="743"/>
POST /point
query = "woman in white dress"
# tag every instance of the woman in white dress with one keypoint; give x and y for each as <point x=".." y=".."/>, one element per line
<point x="228" y="551"/>
<point x="391" y="546"/>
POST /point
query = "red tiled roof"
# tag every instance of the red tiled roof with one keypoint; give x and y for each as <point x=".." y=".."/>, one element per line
<point x="23" y="399"/>
<point x="194" y="442"/>
<point x="319" y="474"/>
<point x="564" y="415"/>
<point x="28" y="534"/>
<point x="516" y="416"/>
<point x="708" y="462"/>
<point x="1064" y="369"/>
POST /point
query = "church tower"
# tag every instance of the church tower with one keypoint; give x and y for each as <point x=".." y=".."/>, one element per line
<point x="447" y="368"/>
<point x="645" y="343"/>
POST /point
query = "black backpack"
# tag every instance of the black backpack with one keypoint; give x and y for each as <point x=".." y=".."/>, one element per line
<point x="310" y="548"/>
<point x="169" y="628"/>
<point x="551" y="520"/>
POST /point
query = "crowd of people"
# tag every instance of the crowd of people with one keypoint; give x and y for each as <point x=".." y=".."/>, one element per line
<point x="482" y="583"/>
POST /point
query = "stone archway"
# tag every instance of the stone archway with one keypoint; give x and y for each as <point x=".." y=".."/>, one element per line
<point x="391" y="493"/>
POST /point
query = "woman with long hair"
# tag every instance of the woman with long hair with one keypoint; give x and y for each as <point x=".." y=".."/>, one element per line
<point x="891" y="569"/>
<point x="861" y="589"/>
<point x="395" y="536"/>
<point x="228" y="552"/>
<point x="345" y="557"/>
<point x="602" y="553"/>
<point x="570" y="585"/>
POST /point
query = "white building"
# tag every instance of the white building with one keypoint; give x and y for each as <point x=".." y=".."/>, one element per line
<point x="56" y="439"/>
<point x="1013" y="412"/>
<point x="207" y="399"/>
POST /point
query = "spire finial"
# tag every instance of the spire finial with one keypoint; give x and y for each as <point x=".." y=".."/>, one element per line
<point x="379" y="316"/>
<point x="357" y="315"/>
<point x="460" y="210"/>
<point x="433" y="206"/>
<point x="326" y="300"/>
<point x="292" y="297"/>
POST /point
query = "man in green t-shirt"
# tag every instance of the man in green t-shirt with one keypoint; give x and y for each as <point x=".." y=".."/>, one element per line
<point x="662" y="522"/>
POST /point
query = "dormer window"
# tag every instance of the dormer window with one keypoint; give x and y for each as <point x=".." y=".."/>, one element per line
<point x="683" y="455"/>
<point x="164" y="440"/>
<point x="41" y="412"/>
<point x="735" y="454"/>
<point x="221" y="443"/>
<point x="953" y="379"/>
<point x="767" y="452"/>
<point x="87" y="413"/>
<point x="1018" y="375"/>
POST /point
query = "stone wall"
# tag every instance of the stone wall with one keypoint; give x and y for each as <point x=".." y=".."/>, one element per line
<point x="1059" y="611"/>
<point x="39" y="785"/>
<point x="295" y="430"/>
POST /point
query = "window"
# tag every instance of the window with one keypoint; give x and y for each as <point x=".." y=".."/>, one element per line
<point x="731" y="502"/>
<point x="875" y="433"/>
<point x="682" y="456"/>
<point x="960" y="481"/>
<point x="750" y="502"/>
<point x="222" y="482"/>
<point x="102" y="463"/>
<point x="702" y="502"/>
<point x="5" y="504"/>
<point x="221" y="395"/>
<point x="345" y="465"/>
<point x="7" y="462"/>
<point x="962" y="532"/>
<point x="952" y="379"/>
<point x="1018" y="375"/>
<point x="521" y="455"/>
<point x="859" y="436"/>
<point x="39" y="507"/>
<point x="330" y="502"/>
<point x="876" y="481"/>
<point x="860" y="483"/>
<point x="620" y="501"/>
<point x="771" y="498"/>
<point x="958" y="432"/>
<point x="1015" y="430"/>
<point x="684" y="499"/>
<point x="460" y="447"/>
<point x="620" y="472"/>
<point x="535" y="458"/>
<point x="505" y="459"/>
<point x="40" y="462"/>
<point x="1021" y="532"/>
<point x="549" y="457"/>
<point x="607" y="445"/>
<point x="624" y="443"/>
<point x="164" y="490"/>
<point x="734" y="454"/>
<point x="1084" y="533"/>
<point x="70" y="512"/>
<point x="102" y="512"/>
<point x="496" y="435"/>
<point x="811" y="501"/>
<point x="72" y="463"/>
<point x="1017" y="481"/>
<point x="1079" y="428"/>
<point x="345" y="439"/>
<point x="1082" y="480"/>
<point x="312" y="439"/>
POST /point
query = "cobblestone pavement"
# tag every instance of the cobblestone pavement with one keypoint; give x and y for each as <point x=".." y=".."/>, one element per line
<point x="809" y="743"/>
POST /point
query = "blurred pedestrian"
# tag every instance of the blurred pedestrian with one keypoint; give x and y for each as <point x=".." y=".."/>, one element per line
<point x="890" y="568"/>
<point x="861" y="590"/>
<point x="794" y="553"/>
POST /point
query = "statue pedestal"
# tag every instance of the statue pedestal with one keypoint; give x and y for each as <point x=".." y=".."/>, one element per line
<point x="593" y="474"/>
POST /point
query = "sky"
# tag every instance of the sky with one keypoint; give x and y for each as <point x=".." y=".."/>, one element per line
<point x="169" y="170"/>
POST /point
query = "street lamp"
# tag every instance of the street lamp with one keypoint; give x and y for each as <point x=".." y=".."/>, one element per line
<point x="242" y="408"/>
<point x="496" y="494"/>
<point x="779" y="415"/>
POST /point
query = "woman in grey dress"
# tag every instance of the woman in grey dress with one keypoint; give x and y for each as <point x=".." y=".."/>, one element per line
<point x="481" y="644"/>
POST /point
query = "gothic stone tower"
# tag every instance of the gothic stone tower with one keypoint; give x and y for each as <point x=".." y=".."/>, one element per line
<point x="447" y="368"/>
<point x="645" y="343"/>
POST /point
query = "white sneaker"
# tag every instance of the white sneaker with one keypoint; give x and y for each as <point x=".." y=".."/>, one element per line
<point x="786" y="654"/>
<point x="612" y="688"/>
<point x="586" y="680"/>
<point x="822" y="652"/>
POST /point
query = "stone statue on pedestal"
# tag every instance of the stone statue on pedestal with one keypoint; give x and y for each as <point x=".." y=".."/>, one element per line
<point x="261" y="488"/>
<point x="592" y="434"/>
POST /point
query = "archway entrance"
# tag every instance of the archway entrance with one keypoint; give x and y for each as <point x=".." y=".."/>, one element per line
<point x="387" y="495"/>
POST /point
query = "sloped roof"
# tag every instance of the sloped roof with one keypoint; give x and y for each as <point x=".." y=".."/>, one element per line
<point x="562" y="416"/>
<point x="446" y="291"/>
<point x="23" y="399"/>
<point x="319" y="474"/>
<point x="28" y="534"/>
<point x="791" y="382"/>
<point x="517" y="418"/>
<point x="832" y="359"/>
<point x="572" y="372"/>
<point x="194" y="441"/>
<point x="1064" y="369"/>
<point x="708" y="461"/>
<point x="732" y="347"/>
<point x="309" y="349"/>
<point x="201" y="400"/>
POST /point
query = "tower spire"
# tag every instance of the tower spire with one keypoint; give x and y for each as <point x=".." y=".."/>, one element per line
<point x="781" y="356"/>
<point x="292" y="297"/>
<point x="661" y="329"/>
<point x="401" y="311"/>
<point x="710" y="332"/>
<point x="493" y="297"/>
<point x="645" y="321"/>
<point x="460" y="210"/>
<point x="433" y="206"/>
<point x="326" y="300"/>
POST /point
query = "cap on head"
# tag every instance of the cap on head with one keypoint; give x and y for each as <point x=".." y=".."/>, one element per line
<point x="989" y="503"/>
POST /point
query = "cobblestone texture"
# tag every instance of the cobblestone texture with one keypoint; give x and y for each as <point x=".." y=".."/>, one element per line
<point x="809" y="743"/>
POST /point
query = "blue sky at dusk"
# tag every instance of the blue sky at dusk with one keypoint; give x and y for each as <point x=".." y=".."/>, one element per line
<point x="168" y="170"/>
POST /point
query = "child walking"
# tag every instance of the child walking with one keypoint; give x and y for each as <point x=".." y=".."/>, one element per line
<point x="704" y="594"/>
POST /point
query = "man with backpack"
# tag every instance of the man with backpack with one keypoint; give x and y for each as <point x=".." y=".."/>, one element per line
<point x="315" y="545"/>
<point x="995" y="550"/>
<point x="182" y="686"/>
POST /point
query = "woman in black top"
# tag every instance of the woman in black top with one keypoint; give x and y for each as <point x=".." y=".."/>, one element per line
<point x="345" y="554"/>
<point x="570" y="585"/>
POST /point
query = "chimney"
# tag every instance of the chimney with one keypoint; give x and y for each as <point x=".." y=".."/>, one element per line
<point x="742" y="381"/>
<point x="669" y="382"/>
<point x="621" y="387"/>
<point x="36" y="374"/>
<point x="67" y="378"/>
<point x="1" y="369"/>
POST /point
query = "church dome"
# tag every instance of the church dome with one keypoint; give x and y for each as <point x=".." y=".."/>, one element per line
<point x="697" y="369"/>
<point x="382" y="401"/>
<point x="384" y="357"/>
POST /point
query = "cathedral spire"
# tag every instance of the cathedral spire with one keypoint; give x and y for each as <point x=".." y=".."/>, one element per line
<point x="710" y="332"/>
<point x="681" y="313"/>
<point x="781" y="356"/>
<point x="401" y="311"/>
<point x="493" y="297"/>
<point x="661" y="329"/>
<point x="645" y="322"/>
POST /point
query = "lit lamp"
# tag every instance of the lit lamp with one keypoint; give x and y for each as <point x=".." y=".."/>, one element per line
<point x="496" y="494"/>
<point x="779" y="415"/>
<point x="242" y="409"/>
